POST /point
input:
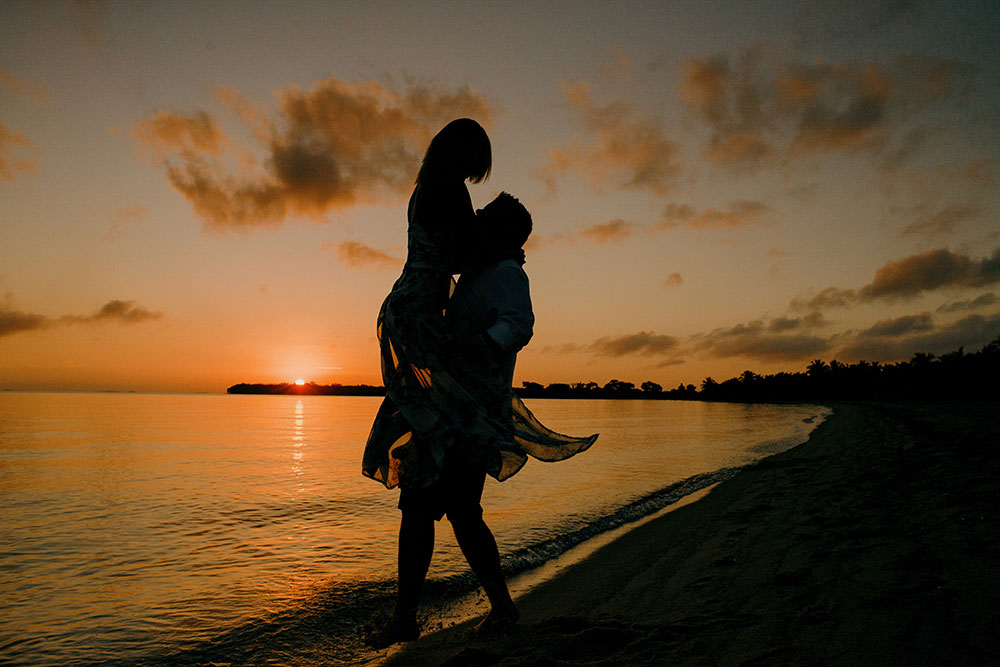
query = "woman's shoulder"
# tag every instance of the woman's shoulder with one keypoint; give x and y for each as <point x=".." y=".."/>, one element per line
<point x="441" y="188"/>
<point x="440" y="200"/>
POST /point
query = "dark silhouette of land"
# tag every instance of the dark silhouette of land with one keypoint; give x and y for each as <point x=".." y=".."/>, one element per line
<point x="955" y="375"/>
<point x="309" y="388"/>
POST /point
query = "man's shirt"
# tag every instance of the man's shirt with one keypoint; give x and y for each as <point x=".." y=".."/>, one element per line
<point x="494" y="302"/>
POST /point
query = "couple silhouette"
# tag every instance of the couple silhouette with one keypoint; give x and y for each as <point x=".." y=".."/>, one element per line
<point x="450" y="416"/>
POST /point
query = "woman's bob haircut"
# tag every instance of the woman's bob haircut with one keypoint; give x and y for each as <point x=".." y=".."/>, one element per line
<point x="460" y="150"/>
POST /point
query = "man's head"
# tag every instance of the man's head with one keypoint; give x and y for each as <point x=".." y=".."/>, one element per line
<point x="506" y="223"/>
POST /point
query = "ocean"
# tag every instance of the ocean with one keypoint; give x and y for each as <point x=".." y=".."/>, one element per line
<point x="157" y="529"/>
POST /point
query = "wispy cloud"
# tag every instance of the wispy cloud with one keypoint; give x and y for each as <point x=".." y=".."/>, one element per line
<point x="981" y="301"/>
<point x="359" y="255"/>
<point x="14" y="321"/>
<point x="116" y="310"/>
<point x="899" y="326"/>
<point x="910" y="276"/>
<point x="761" y="341"/>
<point x="188" y="134"/>
<point x="36" y="91"/>
<point x="942" y="222"/>
<point x="123" y="217"/>
<point x="618" y="147"/>
<point x="330" y="146"/>
<point x="736" y="214"/>
<point x="643" y="342"/>
<point x="18" y="154"/>
<point x="610" y="231"/>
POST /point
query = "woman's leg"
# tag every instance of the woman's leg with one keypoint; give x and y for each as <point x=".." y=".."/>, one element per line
<point x="416" y="547"/>
<point x="480" y="549"/>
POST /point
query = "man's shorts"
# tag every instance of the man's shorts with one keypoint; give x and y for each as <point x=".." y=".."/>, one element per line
<point x="457" y="492"/>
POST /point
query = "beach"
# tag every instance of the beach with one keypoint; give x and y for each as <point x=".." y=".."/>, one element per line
<point x="875" y="543"/>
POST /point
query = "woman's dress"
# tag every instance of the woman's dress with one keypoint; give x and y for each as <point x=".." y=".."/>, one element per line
<point x="426" y="410"/>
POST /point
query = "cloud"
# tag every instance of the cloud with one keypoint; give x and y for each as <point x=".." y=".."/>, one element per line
<point x="92" y="24"/>
<point x="18" y="154"/>
<point x="187" y="134"/>
<point x="981" y="301"/>
<point x="756" y="340"/>
<point x="899" y="326"/>
<point x="749" y="149"/>
<point x="909" y="277"/>
<point x="565" y="348"/>
<point x="643" y="342"/>
<point x="761" y="105"/>
<point x="122" y="217"/>
<point x="942" y="222"/>
<point x="14" y="321"/>
<point x="829" y="297"/>
<point x="736" y="214"/>
<point x="116" y="310"/>
<point x="359" y="255"/>
<point x="609" y="232"/>
<point x="847" y="111"/>
<point x="612" y="231"/>
<point x="37" y="91"/>
<point x="330" y="146"/>
<point x="970" y="332"/>
<point x="981" y="171"/>
<point x="931" y="270"/>
<point x="780" y="324"/>
<point x="621" y="148"/>
<point x="125" y="312"/>
<point x="935" y="78"/>
<point x="673" y="280"/>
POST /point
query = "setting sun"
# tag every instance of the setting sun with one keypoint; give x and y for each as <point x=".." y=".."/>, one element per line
<point x="300" y="381"/>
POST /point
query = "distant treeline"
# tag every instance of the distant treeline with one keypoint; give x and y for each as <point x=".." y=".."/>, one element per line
<point x="309" y="388"/>
<point x="956" y="375"/>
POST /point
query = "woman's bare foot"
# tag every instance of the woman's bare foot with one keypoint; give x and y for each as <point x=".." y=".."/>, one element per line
<point x="396" y="629"/>
<point x="497" y="622"/>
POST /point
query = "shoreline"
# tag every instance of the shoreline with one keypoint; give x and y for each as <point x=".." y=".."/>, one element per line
<point x="871" y="543"/>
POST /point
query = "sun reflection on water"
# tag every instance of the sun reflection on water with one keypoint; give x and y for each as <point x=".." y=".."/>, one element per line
<point x="298" y="442"/>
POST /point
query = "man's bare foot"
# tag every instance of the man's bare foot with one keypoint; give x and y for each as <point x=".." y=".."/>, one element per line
<point x="497" y="622"/>
<point x="396" y="630"/>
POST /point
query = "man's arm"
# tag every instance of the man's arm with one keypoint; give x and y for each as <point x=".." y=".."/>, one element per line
<point x="507" y="293"/>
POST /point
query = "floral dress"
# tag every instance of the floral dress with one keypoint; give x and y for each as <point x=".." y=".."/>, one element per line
<point x="426" y="410"/>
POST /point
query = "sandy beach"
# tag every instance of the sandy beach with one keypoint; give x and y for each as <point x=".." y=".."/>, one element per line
<point x="874" y="543"/>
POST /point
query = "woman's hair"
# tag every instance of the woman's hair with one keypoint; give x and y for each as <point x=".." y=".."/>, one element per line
<point x="460" y="149"/>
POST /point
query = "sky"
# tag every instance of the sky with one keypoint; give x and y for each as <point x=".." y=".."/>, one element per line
<point x="198" y="194"/>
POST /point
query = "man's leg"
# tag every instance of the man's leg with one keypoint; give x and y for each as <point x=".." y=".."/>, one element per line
<point x="480" y="550"/>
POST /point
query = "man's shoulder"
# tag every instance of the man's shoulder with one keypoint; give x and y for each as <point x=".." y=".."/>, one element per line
<point x="509" y="268"/>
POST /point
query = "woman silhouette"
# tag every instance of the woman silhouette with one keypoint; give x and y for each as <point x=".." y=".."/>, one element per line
<point x="432" y="436"/>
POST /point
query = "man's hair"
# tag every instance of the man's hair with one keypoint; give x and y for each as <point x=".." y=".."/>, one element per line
<point x="506" y="222"/>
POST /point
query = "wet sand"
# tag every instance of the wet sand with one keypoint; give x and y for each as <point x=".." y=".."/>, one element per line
<point x="877" y="542"/>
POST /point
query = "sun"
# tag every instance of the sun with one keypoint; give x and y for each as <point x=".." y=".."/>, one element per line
<point x="300" y="382"/>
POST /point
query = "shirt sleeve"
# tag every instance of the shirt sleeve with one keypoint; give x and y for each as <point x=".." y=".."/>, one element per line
<point x="508" y="294"/>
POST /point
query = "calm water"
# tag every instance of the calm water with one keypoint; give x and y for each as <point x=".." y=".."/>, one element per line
<point x="163" y="529"/>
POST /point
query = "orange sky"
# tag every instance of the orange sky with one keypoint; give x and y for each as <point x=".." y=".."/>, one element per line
<point x="197" y="195"/>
